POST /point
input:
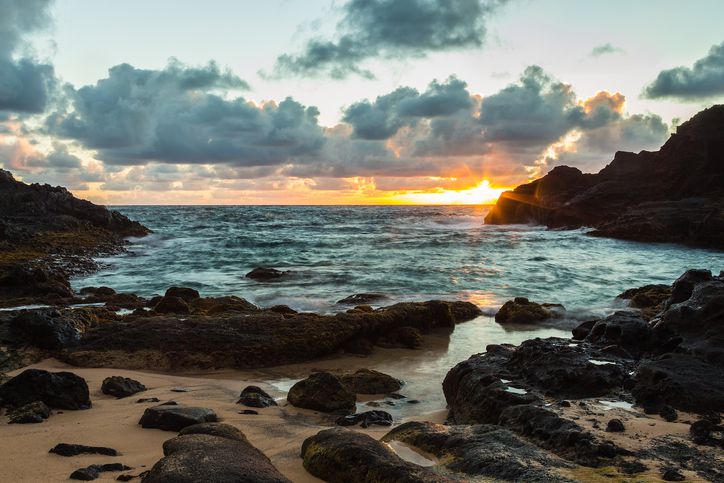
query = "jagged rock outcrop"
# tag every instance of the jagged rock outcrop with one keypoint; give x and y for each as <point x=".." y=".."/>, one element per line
<point x="675" y="194"/>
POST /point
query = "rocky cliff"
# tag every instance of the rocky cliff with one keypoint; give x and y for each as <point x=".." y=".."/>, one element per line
<point x="675" y="194"/>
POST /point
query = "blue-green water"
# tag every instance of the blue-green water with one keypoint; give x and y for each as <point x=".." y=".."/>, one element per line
<point x="409" y="253"/>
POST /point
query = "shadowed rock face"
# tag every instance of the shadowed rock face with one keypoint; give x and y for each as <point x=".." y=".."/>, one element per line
<point x="675" y="194"/>
<point x="62" y="390"/>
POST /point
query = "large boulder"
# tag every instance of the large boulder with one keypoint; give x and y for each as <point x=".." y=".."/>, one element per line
<point x="213" y="453"/>
<point x="172" y="417"/>
<point x="343" y="456"/>
<point x="649" y="299"/>
<point x="323" y="392"/>
<point x="61" y="390"/>
<point x="120" y="387"/>
<point x="368" y="381"/>
<point x="623" y="329"/>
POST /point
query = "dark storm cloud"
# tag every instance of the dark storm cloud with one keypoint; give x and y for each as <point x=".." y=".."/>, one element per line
<point x="174" y="115"/>
<point x="703" y="80"/>
<point x="383" y="117"/>
<point x="391" y="28"/>
<point x="25" y="83"/>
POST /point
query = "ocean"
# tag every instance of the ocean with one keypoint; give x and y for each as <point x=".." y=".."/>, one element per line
<point x="405" y="252"/>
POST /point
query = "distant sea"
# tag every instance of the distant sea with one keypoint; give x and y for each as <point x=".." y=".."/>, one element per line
<point x="405" y="252"/>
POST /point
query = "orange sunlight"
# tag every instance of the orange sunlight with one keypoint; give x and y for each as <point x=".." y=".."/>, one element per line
<point x="481" y="194"/>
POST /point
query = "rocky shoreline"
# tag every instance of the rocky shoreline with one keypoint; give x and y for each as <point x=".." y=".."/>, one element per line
<point x="634" y="396"/>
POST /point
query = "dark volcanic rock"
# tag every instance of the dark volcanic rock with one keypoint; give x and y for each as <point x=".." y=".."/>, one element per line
<point x="522" y="311"/>
<point x="623" y="329"/>
<point x="46" y="233"/>
<point x="673" y="195"/>
<point x="174" y="417"/>
<point x="649" y="299"/>
<point x="366" y="419"/>
<point x="65" y="449"/>
<point x="368" y="381"/>
<point x="187" y="294"/>
<point x="681" y="381"/>
<point x="172" y="305"/>
<point x="121" y="386"/>
<point x="265" y="274"/>
<point x="92" y="472"/>
<point x="62" y="390"/>
<point x="323" y="392"/>
<point x="615" y="426"/>
<point x="46" y="329"/>
<point x="339" y="455"/>
<point x="252" y="339"/>
<point x="481" y="450"/>
<point x="34" y="412"/>
<point x="213" y="453"/>
<point x="255" y="397"/>
<point x="559" y="435"/>
<point x="362" y="299"/>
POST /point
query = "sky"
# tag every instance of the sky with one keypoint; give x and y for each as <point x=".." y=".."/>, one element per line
<point x="342" y="102"/>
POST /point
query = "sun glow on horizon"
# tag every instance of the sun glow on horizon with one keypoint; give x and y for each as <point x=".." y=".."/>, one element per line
<point x="481" y="194"/>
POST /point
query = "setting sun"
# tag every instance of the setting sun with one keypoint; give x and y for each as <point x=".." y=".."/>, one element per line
<point x="481" y="194"/>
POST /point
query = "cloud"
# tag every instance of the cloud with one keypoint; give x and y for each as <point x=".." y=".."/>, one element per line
<point x="605" y="49"/>
<point x="382" y="118"/>
<point x="703" y="80"/>
<point x="175" y="115"/>
<point x="391" y="29"/>
<point x="25" y="83"/>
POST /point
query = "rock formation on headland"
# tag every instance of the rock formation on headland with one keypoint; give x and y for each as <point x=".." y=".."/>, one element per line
<point x="45" y="233"/>
<point x="675" y="194"/>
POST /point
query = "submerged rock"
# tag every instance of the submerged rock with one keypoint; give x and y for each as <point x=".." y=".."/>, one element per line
<point x="212" y="452"/>
<point x="173" y="417"/>
<point x="362" y="299"/>
<point x="121" y="386"/>
<point x="339" y="455"/>
<point x="368" y="381"/>
<point x="62" y="390"/>
<point x="265" y="274"/>
<point x="323" y="392"/>
<point x="255" y="397"/>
